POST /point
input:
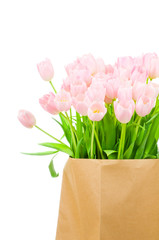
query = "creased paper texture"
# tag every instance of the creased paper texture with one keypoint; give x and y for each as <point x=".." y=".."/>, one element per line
<point x="109" y="200"/>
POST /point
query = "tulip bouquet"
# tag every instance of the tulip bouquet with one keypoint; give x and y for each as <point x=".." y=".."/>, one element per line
<point x="115" y="112"/>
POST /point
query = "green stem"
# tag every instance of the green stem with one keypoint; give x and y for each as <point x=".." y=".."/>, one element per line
<point x="98" y="143"/>
<point x="92" y="140"/>
<point x="71" y="115"/>
<point x="48" y="134"/>
<point x="53" y="87"/>
<point x="99" y="146"/>
<point x="122" y="142"/>
<point x="72" y="132"/>
<point x="97" y="131"/>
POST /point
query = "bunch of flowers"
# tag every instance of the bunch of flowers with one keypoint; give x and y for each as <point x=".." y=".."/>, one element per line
<point x="115" y="112"/>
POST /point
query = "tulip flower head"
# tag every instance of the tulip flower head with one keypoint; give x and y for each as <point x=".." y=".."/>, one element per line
<point x="96" y="111"/>
<point x="144" y="105"/>
<point x="81" y="104"/>
<point x="48" y="103"/>
<point x="46" y="70"/>
<point x="124" y="111"/>
<point x="151" y="62"/>
<point x="26" y="118"/>
<point x="63" y="101"/>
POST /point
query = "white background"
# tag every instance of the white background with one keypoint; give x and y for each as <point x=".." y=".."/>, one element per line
<point x="61" y="30"/>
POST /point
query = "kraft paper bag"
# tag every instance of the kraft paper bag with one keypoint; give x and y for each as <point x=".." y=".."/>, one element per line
<point x="109" y="200"/>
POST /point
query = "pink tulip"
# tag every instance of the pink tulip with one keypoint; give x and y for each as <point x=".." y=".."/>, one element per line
<point x="63" y="101"/>
<point x="112" y="86"/>
<point x="109" y="69"/>
<point x="26" y="118"/>
<point x="139" y="74"/>
<point x="156" y="87"/>
<point x="125" y="94"/>
<point x="89" y="62"/>
<point x="48" y="103"/>
<point x="46" y="70"/>
<point x="81" y="103"/>
<point x="124" y="111"/>
<point x="96" y="92"/>
<point x="149" y="91"/>
<point x="138" y="89"/>
<point x="123" y="74"/>
<point x="125" y="62"/>
<point x="96" y="111"/>
<point x="73" y="66"/>
<point x="100" y="78"/>
<point x="144" y="105"/>
<point x="77" y="85"/>
<point x="66" y="84"/>
<point x="151" y="62"/>
<point x="100" y="65"/>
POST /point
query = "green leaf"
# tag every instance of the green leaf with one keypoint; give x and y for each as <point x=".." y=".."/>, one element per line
<point x="60" y="147"/>
<point x="157" y="134"/>
<point x="150" y="157"/>
<point x="109" y="152"/>
<point x="128" y="152"/>
<point x="52" y="170"/>
<point x="151" y="137"/>
<point x="77" y="153"/>
<point x="78" y="126"/>
<point x="141" y="136"/>
<point x="140" y="151"/>
<point x="151" y="119"/>
<point x="110" y="131"/>
<point x="66" y="128"/>
<point x="41" y="153"/>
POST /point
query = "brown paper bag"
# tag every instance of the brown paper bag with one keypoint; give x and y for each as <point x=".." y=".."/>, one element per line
<point x="109" y="200"/>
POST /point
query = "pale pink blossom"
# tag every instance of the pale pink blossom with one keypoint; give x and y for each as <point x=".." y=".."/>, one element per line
<point x="139" y="74"/>
<point x="79" y="76"/>
<point x="151" y="62"/>
<point x="96" y="92"/>
<point x="96" y="111"/>
<point x="89" y="62"/>
<point x="138" y="89"/>
<point x="66" y="84"/>
<point x="77" y="85"/>
<point x="100" y="78"/>
<point x="46" y="70"/>
<point x="144" y="105"/>
<point x="48" y="103"/>
<point x="112" y="86"/>
<point x="100" y="65"/>
<point x="123" y="74"/>
<point x="125" y="94"/>
<point x="81" y="104"/>
<point x="149" y="91"/>
<point x="73" y="66"/>
<point x="63" y="101"/>
<point x="125" y="62"/>
<point x="124" y="111"/>
<point x="156" y="87"/>
<point x="109" y="69"/>
<point x="26" y="118"/>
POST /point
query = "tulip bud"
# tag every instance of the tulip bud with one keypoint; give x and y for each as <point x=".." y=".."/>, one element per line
<point x="46" y="70"/>
<point x="144" y="105"/>
<point x="48" y="103"/>
<point x="124" y="111"/>
<point x="26" y="118"/>
<point x="96" y="111"/>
